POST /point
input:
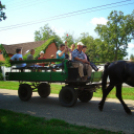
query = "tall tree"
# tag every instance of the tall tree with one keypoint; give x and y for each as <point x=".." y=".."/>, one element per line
<point x="92" y="46"/>
<point x="45" y="33"/>
<point x="2" y="14"/>
<point x="98" y="50"/>
<point x="118" y="32"/>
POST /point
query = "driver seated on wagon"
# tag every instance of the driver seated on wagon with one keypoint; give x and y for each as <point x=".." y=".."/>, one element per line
<point x="81" y="63"/>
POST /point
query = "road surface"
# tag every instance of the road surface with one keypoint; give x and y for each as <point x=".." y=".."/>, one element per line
<point x="112" y="118"/>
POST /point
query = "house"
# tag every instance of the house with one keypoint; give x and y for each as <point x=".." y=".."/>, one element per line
<point x="48" y="46"/>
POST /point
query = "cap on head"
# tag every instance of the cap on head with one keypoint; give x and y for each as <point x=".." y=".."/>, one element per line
<point x="80" y="44"/>
<point x="41" y="52"/>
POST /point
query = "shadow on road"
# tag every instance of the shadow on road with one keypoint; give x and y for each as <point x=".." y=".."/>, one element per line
<point x="54" y="102"/>
<point x="113" y="117"/>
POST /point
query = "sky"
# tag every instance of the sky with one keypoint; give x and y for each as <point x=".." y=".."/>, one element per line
<point x="71" y="16"/>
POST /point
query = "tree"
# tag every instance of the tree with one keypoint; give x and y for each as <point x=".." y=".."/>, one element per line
<point x="69" y="38"/>
<point x="2" y="14"/>
<point x="98" y="50"/>
<point x="2" y="49"/>
<point x="93" y="46"/>
<point x="118" y="32"/>
<point x="4" y="63"/>
<point x="45" y="33"/>
<point x="6" y="57"/>
<point x="132" y="57"/>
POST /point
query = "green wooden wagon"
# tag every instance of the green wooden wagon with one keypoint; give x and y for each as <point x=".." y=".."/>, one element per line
<point x="41" y="77"/>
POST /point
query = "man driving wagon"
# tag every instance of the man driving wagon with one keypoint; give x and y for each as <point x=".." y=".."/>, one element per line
<point x="78" y="61"/>
<point x="81" y="63"/>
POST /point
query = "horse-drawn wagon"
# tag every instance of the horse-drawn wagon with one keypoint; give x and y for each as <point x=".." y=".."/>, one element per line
<point x="41" y="77"/>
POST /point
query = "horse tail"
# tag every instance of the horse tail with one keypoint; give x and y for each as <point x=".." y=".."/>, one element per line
<point x="105" y="75"/>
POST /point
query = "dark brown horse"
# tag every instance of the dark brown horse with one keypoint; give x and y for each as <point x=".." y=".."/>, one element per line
<point x="119" y="72"/>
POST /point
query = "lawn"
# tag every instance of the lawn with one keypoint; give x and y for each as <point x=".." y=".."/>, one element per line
<point x="18" y="123"/>
<point x="127" y="93"/>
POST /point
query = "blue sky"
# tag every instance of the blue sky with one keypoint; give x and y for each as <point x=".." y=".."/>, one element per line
<point x="20" y="11"/>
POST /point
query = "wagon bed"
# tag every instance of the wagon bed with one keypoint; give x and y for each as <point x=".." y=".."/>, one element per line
<point x="41" y="80"/>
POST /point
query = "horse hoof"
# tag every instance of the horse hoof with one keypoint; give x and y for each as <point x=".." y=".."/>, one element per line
<point x="128" y="111"/>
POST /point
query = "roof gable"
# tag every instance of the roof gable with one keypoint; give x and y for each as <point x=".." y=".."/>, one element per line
<point x="11" y="49"/>
<point x="43" y="47"/>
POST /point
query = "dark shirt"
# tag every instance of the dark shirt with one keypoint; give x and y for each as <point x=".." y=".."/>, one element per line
<point x="67" y="56"/>
<point x="92" y="64"/>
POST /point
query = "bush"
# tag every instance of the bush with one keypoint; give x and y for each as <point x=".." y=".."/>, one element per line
<point x="1" y="76"/>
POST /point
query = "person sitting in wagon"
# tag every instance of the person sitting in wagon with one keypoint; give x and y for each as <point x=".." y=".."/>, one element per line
<point x="81" y="63"/>
<point x="18" y="57"/>
<point x="41" y="58"/>
<point x="71" y="50"/>
<point x="87" y="58"/>
<point x="31" y="57"/>
<point x="52" y="63"/>
<point x="60" y="54"/>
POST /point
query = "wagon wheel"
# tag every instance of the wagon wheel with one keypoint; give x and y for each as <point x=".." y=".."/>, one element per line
<point x="85" y="96"/>
<point x="68" y="96"/>
<point x="25" y="92"/>
<point x="44" y="90"/>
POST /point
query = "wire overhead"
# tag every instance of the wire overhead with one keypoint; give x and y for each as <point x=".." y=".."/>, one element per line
<point x="69" y="14"/>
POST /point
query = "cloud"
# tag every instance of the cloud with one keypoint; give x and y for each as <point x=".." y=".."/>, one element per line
<point x="18" y="38"/>
<point x="100" y="20"/>
<point x="131" y="45"/>
<point x="59" y="31"/>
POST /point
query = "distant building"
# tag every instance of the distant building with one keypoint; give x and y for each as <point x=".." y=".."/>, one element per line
<point x="49" y="49"/>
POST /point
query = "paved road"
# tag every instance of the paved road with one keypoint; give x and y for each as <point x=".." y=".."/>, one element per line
<point x="112" y="118"/>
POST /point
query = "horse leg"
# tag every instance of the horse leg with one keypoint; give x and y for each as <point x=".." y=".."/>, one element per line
<point x="119" y="96"/>
<point x="105" y="93"/>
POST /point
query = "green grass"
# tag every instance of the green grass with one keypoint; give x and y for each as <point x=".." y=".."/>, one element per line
<point x="127" y="93"/>
<point x="15" y="85"/>
<point x="18" y="123"/>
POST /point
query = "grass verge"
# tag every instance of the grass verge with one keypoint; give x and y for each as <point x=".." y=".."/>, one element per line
<point x="18" y="123"/>
<point x="127" y="93"/>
